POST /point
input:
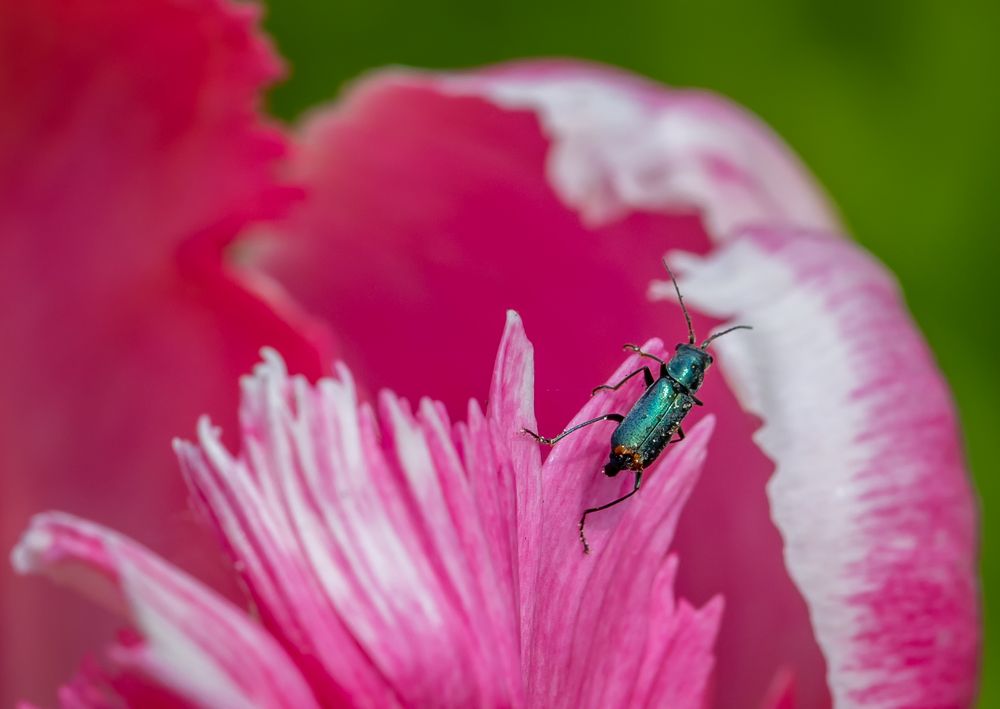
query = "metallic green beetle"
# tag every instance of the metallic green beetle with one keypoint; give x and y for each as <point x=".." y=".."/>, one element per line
<point x="652" y="422"/>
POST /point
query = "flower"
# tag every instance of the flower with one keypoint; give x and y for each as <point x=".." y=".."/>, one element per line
<point x="832" y="514"/>
<point x="400" y="559"/>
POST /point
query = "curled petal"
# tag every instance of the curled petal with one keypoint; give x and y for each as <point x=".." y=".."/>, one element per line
<point x="621" y="144"/>
<point x="193" y="642"/>
<point x="870" y="490"/>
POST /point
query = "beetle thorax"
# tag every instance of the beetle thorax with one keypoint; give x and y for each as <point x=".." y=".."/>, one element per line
<point x="688" y="366"/>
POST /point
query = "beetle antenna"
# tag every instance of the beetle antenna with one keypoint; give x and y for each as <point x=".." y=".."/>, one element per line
<point x="724" y="332"/>
<point x="680" y="299"/>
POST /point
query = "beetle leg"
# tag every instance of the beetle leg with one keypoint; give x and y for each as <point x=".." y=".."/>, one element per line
<point x="583" y="519"/>
<point x="642" y="353"/>
<point x="552" y="441"/>
<point x="680" y="436"/>
<point x="648" y="376"/>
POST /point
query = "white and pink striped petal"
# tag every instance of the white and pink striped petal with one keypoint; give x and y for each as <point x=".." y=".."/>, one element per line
<point x="621" y="144"/>
<point x="603" y="629"/>
<point x="870" y="491"/>
<point x="193" y="643"/>
<point x="424" y="563"/>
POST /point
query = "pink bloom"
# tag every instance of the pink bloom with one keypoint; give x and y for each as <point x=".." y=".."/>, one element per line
<point x="401" y="559"/>
<point x="404" y="558"/>
<point x="841" y="534"/>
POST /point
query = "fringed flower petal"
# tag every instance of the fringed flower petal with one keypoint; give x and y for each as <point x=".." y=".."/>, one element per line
<point x="601" y="630"/>
<point x="424" y="563"/>
<point x="359" y="538"/>
<point x="191" y="642"/>
<point x="870" y="490"/>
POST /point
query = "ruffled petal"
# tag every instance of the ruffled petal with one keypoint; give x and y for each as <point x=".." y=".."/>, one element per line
<point x="604" y="629"/>
<point x="420" y="562"/>
<point x="510" y="493"/>
<point x="870" y="490"/>
<point x="192" y="642"/>
<point x="360" y="540"/>
<point x="130" y="153"/>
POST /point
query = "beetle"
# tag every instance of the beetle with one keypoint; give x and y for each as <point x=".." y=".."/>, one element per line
<point x="654" y="420"/>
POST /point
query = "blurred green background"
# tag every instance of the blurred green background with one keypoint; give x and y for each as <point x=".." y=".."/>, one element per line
<point x="894" y="105"/>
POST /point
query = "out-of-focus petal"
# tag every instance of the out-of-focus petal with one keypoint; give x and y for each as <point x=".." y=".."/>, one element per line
<point x="623" y="144"/>
<point x="130" y="153"/>
<point x="192" y="642"/>
<point x="870" y="491"/>
<point x="466" y="194"/>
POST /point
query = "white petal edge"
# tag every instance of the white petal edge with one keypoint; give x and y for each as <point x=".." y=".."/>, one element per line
<point x="870" y="492"/>
<point x="195" y="643"/>
<point x="622" y="144"/>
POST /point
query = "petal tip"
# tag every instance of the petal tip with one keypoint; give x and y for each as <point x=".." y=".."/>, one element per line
<point x="24" y="557"/>
<point x="514" y="324"/>
<point x="273" y="363"/>
<point x="36" y="542"/>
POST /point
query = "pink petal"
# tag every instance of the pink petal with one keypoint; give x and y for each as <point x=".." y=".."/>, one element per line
<point x="870" y="492"/>
<point x="400" y="559"/>
<point x="601" y="630"/>
<point x="360" y="541"/>
<point x="193" y="642"/>
<point x="591" y="636"/>
<point x="130" y="153"/>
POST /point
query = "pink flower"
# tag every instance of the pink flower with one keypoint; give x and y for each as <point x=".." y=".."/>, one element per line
<point x="403" y="558"/>
<point x="836" y="519"/>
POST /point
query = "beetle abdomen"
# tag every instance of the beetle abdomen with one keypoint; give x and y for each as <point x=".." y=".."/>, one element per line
<point x="650" y="424"/>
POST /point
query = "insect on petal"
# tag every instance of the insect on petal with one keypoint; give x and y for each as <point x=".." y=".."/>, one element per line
<point x="870" y="490"/>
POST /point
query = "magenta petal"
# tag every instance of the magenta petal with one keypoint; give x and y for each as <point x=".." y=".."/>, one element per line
<point x="193" y="642"/>
<point x="130" y="153"/>
<point x="870" y="490"/>
<point x="446" y="199"/>
<point x="602" y="630"/>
